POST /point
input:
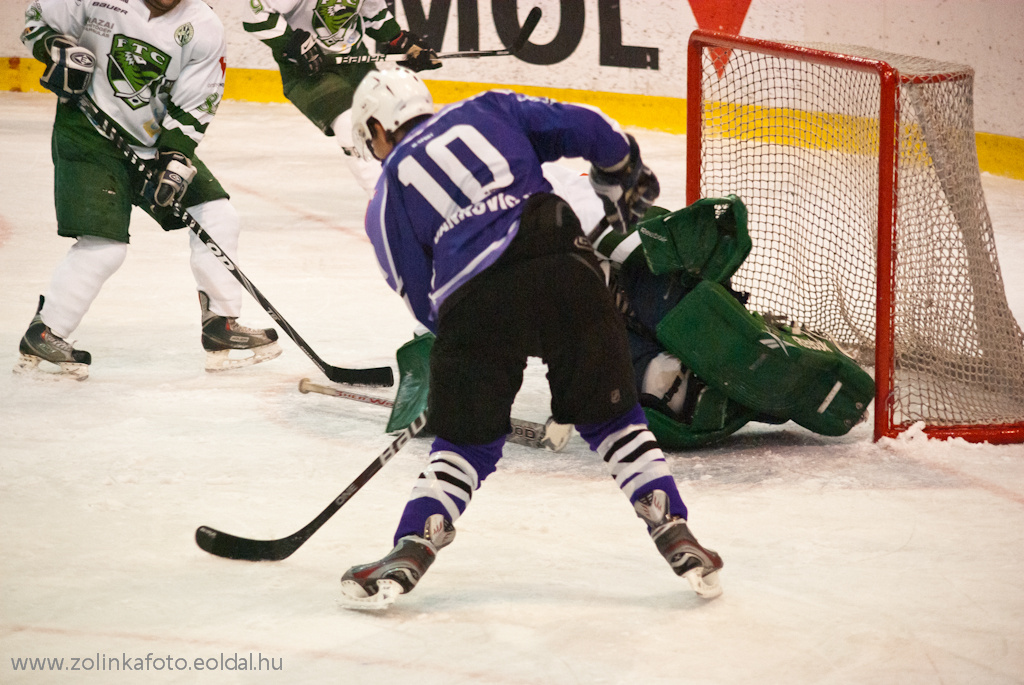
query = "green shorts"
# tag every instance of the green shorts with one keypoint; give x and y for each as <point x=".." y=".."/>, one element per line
<point x="323" y="97"/>
<point x="95" y="188"/>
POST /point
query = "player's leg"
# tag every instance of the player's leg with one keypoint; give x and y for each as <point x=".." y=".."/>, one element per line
<point x="366" y="172"/>
<point x="326" y="100"/>
<point x="92" y="192"/>
<point x="476" y="369"/>
<point x="591" y="376"/>
<point x="228" y="344"/>
<point x="75" y="284"/>
<point x="441" y="494"/>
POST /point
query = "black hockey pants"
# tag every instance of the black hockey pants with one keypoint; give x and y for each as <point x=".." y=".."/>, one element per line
<point x="545" y="297"/>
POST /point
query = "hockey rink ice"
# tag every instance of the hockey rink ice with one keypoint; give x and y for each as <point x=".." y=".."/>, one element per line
<point x="846" y="561"/>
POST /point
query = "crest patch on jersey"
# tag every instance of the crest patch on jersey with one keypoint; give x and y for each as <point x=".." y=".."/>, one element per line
<point x="210" y="105"/>
<point x="184" y="34"/>
<point x="256" y="5"/>
<point x="334" y="14"/>
<point x="135" y="70"/>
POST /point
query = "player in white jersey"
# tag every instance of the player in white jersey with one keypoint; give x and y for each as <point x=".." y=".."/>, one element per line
<point x="317" y="45"/>
<point x="156" y="69"/>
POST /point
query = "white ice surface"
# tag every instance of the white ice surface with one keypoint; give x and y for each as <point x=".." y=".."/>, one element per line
<point x="846" y="561"/>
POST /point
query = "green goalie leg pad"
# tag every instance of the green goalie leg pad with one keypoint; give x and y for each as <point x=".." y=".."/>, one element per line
<point x="799" y="377"/>
<point x="714" y="419"/>
<point x="708" y="239"/>
<point x="413" y="381"/>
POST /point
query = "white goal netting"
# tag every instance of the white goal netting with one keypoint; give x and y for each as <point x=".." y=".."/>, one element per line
<point x="797" y="132"/>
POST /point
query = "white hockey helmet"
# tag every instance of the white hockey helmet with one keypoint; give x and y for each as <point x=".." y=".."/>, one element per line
<point x="392" y="97"/>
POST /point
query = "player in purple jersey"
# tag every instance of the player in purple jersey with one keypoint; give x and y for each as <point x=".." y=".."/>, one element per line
<point x="468" y="232"/>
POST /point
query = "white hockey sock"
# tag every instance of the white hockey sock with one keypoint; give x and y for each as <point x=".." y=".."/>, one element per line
<point x="449" y="480"/>
<point x="220" y="220"/>
<point x="366" y="172"/>
<point x="634" y="458"/>
<point x="78" y="279"/>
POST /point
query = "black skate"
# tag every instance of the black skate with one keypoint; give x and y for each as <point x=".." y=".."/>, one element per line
<point x="676" y="543"/>
<point x="376" y="585"/>
<point x="230" y="345"/>
<point x="40" y="344"/>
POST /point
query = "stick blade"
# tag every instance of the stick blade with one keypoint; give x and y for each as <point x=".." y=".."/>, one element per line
<point x="532" y="19"/>
<point x="379" y="377"/>
<point x="230" y="546"/>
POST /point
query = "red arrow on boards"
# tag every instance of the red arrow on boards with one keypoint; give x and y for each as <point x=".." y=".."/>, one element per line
<point x="720" y="15"/>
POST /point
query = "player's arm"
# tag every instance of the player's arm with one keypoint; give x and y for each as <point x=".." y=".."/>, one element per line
<point x="265" y="21"/>
<point x="406" y="266"/>
<point x="51" y="31"/>
<point x="191" y="105"/>
<point x="296" y="50"/>
<point x="267" y="25"/>
<point x="626" y="186"/>
<point x="380" y="25"/>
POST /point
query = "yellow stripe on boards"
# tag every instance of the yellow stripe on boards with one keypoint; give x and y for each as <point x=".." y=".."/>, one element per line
<point x="997" y="154"/>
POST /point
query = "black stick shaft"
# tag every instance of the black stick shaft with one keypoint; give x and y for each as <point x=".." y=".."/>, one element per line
<point x="532" y="19"/>
<point x="379" y="376"/>
<point x="233" y="547"/>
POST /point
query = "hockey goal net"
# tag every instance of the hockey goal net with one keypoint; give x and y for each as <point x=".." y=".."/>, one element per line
<point x="860" y="176"/>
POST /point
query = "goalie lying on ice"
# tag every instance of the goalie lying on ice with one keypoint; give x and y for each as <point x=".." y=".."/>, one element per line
<point x="704" y="365"/>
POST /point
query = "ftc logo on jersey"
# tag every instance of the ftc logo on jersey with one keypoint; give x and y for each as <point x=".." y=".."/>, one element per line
<point x="136" y="70"/>
<point x="334" y="14"/>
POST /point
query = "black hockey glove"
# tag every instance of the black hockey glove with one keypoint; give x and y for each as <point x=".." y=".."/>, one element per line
<point x="627" y="190"/>
<point x="303" y="51"/>
<point x="420" y="58"/>
<point x="69" y="73"/>
<point x="174" y="173"/>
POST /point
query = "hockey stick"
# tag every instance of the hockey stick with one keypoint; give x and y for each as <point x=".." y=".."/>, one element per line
<point x="378" y="376"/>
<point x="233" y="547"/>
<point x="551" y="436"/>
<point x="532" y="19"/>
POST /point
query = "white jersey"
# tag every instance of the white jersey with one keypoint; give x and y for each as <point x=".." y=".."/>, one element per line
<point x="152" y="75"/>
<point x="574" y="187"/>
<point x="338" y="25"/>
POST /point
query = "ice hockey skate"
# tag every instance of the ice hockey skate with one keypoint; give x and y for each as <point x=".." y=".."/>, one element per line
<point x="229" y="345"/>
<point x="40" y="344"/>
<point x="378" y="584"/>
<point x="676" y="543"/>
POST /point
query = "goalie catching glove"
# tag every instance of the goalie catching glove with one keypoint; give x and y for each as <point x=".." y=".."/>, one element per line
<point x="420" y="58"/>
<point x="70" y="70"/>
<point x="304" y="52"/>
<point x="173" y="173"/>
<point x="627" y="189"/>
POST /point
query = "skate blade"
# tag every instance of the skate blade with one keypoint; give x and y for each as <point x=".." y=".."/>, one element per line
<point x="707" y="587"/>
<point x="225" y="360"/>
<point x="29" y="365"/>
<point x="354" y="597"/>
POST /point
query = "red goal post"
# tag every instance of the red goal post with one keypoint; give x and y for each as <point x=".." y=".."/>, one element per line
<point x="860" y="176"/>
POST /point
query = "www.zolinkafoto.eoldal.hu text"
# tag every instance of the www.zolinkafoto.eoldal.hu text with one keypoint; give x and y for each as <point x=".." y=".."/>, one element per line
<point x="251" y="661"/>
